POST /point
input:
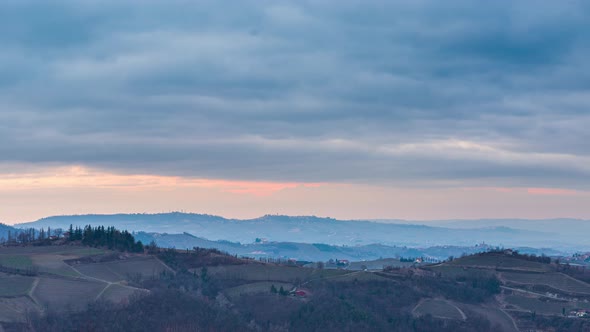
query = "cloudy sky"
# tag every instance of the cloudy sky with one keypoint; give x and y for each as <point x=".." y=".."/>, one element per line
<point x="352" y="109"/>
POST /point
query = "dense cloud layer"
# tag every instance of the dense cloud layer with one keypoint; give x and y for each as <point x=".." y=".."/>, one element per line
<point x="418" y="92"/>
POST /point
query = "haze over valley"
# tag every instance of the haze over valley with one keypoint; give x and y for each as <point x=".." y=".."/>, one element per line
<point x="287" y="166"/>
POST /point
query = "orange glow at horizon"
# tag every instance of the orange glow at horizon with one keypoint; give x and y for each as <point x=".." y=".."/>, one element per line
<point x="82" y="177"/>
<point x="36" y="193"/>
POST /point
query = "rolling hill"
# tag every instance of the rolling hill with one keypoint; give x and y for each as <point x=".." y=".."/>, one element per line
<point x="4" y="229"/>
<point x="310" y="229"/>
<point x="317" y="251"/>
<point x="500" y="290"/>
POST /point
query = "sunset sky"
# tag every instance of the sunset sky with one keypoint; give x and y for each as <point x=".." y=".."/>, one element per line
<point x="351" y="109"/>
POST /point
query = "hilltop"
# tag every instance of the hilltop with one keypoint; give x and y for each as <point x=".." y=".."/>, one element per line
<point x="311" y="229"/>
<point x="4" y="229"/>
<point x="319" y="251"/>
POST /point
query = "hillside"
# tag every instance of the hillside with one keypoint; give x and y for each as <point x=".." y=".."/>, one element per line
<point x="310" y="229"/>
<point x="35" y="278"/>
<point x="316" y="251"/>
<point x="261" y="296"/>
<point x="534" y="292"/>
<point x="4" y="229"/>
<point x="493" y="291"/>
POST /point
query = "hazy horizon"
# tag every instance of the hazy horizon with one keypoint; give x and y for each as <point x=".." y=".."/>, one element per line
<point x="411" y="110"/>
<point x="378" y="220"/>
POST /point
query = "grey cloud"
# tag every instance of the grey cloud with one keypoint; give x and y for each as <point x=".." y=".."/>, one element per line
<point x="209" y="90"/>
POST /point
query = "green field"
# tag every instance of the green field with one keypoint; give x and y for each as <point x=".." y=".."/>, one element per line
<point x="555" y="280"/>
<point x="437" y="308"/>
<point x="16" y="261"/>
<point x="14" y="285"/>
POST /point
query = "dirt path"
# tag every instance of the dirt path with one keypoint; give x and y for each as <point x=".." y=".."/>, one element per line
<point x="512" y="319"/>
<point x="166" y="266"/>
<point x="32" y="297"/>
<point x="101" y="292"/>
<point x="416" y="307"/>
<point x="463" y="316"/>
<point x="109" y="283"/>
<point x="533" y="293"/>
<point x="494" y="314"/>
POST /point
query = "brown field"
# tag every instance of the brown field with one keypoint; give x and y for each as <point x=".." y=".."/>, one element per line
<point x="117" y="293"/>
<point x="437" y="308"/>
<point x="144" y="266"/>
<point x="357" y="275"/>
<point x="99" y="271"/>
<point x="15" y="309"/>
<point x="14" y="285"/>
<point x="379" y="264"/>
<point x="58" y="285"/>
<point x="78" y="251"/>
<point x="500" y="261"/>
<point x="68" y="293"/>
<point x="46" y="259"/>
<point x="256" y="287"/>
<point x="454" y="271"/>
<point x="269" y="272"/>
<point x="54" y="264"/>
<point x="555" y="280"/>
<point x="495" y="315"/>
<point x="546" y="307"/>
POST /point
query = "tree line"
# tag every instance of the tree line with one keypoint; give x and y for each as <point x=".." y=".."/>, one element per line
<point x="31" y="236"/>
<point x="109" y="237"/>
<point x="98" y="236"/>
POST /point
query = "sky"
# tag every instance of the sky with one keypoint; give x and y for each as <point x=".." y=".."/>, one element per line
<point x="351" y="109"/>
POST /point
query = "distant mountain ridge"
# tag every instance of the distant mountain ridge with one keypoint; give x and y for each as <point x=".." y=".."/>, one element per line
<point x="312" y="229"/>
<point x="320" y="252"/>
<point x="4" y="229"/>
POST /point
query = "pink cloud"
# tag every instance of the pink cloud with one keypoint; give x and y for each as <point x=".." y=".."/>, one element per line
<point x="551" y="191"/>
<point x="82" y="177"/>
<point x="497" y="189"/>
